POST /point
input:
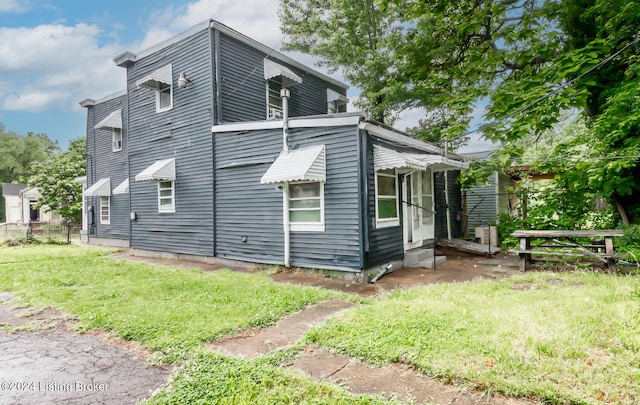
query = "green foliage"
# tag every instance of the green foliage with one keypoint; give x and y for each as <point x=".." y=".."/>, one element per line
<point x="630" y="244"/>
<point x="54" y="179"/>
<point x="212" y="378"/>
<point x="353" y="37"/>
<point x="171" y="310"/>
<point x="18" y="152"/>
<point x="578" y="330"/>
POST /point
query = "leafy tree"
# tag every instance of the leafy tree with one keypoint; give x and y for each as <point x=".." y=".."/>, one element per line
<point x="54" y="180"/>
<point x="351" y="36"/>
<point x="18" y="152"/>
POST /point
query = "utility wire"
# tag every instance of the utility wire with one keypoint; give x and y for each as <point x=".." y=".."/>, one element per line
<point x="554" y="91"/>
<point x="271" y="50"/>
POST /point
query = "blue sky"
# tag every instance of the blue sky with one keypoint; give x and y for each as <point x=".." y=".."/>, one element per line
<point x="53" y="54"/>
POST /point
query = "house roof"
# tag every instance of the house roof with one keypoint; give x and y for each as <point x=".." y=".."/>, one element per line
<point x="128" y="57"/>
<point x="12" y="189"/>
<point x="389" y="135"/>
<point x="307" y="164"/>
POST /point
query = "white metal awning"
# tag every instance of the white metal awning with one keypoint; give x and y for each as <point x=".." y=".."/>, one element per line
<point x="306" y="164"/>
<point x="160" y="170"/>
<point x="384" y="159"/>
<point x="100" y="188"/>
<point x="113" y="120"/>
<point x="123" y="188"/>
<point x="155" y="79"/>
<point x="272" y="69"/>
<point x="335" y="96"/>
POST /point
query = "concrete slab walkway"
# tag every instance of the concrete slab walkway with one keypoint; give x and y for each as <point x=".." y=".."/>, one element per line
<point x="46" y="363"/>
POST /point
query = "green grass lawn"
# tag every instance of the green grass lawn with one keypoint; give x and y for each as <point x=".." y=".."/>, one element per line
<point x="565" y="338"/>
<point x="171" y="310"/>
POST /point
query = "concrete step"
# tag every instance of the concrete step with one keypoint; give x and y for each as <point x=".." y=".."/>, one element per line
<point x="429" y="262"/>
<point x="414" y="256"/>
<point x="422" y="257"/>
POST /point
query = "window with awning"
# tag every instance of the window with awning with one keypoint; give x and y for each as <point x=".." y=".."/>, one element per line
<point x="162" y="82"/>
<point x="307" y="164"/>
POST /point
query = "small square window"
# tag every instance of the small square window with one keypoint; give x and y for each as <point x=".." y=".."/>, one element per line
<point x="116" y="138"/>
<point x="166" y="196"/>
<point x="306" y="206"/>
<point x="105" y="210"/>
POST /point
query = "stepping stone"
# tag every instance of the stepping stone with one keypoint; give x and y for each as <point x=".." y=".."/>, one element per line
<point x="284" y="333"/>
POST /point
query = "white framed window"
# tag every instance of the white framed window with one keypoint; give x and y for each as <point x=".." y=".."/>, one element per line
<point x="274" y="101"/>
<point x="387" y="199"/>
<point x="166" y="196"/>
<point x="306" y="206"/>
<point x="105" y="210"/>
<point x="337" y="106"/>
<point x="116" y="139"/>
<point x="164" y="97"/>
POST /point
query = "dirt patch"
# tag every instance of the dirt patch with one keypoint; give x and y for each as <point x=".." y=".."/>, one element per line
<point x="284" y="333"/>
<point x="392" y="381"/>
<point x="48" y="363"/>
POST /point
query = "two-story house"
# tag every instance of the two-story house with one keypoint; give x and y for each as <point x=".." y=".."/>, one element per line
<point x="222" y="147"/>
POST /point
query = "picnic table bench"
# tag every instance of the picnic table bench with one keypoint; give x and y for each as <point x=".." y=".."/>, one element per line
<point x="602" y="248"/>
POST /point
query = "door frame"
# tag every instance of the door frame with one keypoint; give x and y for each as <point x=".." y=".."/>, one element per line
<point x="409" y="230"/>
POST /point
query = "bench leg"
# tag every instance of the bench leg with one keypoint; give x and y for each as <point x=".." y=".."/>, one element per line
<point x="525" y="258"/>
<point x="610" y="252"/>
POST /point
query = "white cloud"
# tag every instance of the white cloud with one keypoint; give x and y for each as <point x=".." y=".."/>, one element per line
<point x="12" y="6"/>
<point x="52" y="67"/>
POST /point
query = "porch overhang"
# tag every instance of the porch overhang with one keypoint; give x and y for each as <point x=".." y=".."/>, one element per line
<point x="113" y="120"/>
<point x="273" y="69"/>
<point x="384" y="159"/>
<point x="159" y="171"/>
<point x="122" y="188"/>
<point x="156" y="79"/>
<point x="307" y="164"/>
<point x="100" y="188"/>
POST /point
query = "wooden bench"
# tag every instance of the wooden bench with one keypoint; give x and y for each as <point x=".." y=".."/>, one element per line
<point x="559" y="247"/>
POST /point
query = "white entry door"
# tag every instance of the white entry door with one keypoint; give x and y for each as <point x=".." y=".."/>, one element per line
<point x="417" y="208"/>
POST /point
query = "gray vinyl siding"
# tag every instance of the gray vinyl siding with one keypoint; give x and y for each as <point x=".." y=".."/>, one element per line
<point x="103" y="162"/>
<point x="481" y="205"/>
<point x="243" y="88"/>
<point x="183" y="133"/>
<point x="385" y="244"/>
<point x="245" y="207"/>
<point x="485" y="202"/>
<point x="455" y="205"/>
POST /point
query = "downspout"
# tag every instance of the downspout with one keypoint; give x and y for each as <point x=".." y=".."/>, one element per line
<point x="446" y="191"/>
<point x="285" y="94"/>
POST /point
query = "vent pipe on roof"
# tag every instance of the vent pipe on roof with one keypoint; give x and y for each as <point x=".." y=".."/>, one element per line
<point x="285" y="94"/>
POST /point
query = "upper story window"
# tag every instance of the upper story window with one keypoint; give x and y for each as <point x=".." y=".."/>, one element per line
<point x="277" y="77"/>
<point x="161" y="81"/>
<point x="336" y="102"/>
<point x="116" y="139"/>
<point x="274" y="101"/>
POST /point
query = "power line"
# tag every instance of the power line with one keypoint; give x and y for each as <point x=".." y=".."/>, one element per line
<point x="554" y="91"/>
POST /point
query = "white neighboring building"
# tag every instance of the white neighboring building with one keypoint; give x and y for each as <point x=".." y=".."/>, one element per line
<point x="20" y="201"/>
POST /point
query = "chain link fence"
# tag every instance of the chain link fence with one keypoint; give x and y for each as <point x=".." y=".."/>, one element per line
<point x="38" y="230"/>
